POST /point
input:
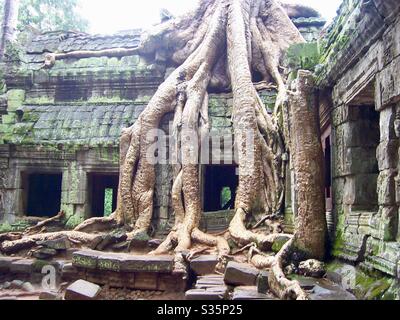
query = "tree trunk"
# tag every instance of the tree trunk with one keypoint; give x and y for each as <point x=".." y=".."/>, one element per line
<point x="10" y="20"/>
<point x="307" y="158"/>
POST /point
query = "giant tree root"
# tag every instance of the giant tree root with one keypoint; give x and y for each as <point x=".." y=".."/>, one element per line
<point x="282" y="287"/>
<point x="25" y="243"/>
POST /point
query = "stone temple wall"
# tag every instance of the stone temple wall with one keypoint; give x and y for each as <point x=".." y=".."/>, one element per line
<point x="68" y="120"/>
<point x="360" y="68"/>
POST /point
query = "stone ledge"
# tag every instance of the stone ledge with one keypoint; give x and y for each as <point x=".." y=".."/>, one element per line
<point x="96" y="260"/>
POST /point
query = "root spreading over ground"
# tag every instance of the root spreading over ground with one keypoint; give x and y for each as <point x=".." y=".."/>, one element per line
<point x="219" y="45"/>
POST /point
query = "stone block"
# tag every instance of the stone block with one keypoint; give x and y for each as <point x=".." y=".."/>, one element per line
<point x="387" y="119"/>
<point x="59" y="244"/>
<point x="82" y="290"/>
<point x="86" y="259"/>
<point x="16" y="284"/>
<point x="387" y="154"/>
<point x="24" y="266"/>
<point x="386" y="188"/>
<point x="262" y="282"/>
<point x="312" y="268"/>
<point x="360" y="190"/>
<point x="205" y="295"/>
<point x="162" y="264"/>
<point x="249" y="293"/>
<point x="27" y="287"/>
<point x="5" y="263"/>
<point x="48" y="295"/>
<point x="241" y="274"/>
<point x="204" y="265"/>
<point x="389" y="223"/>
<point x="146" y="281"/>
<point x="44" y="253"/>
<point x="109" y="262"/>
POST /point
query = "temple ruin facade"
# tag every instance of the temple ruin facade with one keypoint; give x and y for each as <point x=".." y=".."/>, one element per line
<point x="60" y="130"/>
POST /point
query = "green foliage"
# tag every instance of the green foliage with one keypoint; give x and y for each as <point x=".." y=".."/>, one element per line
<point x="108" y="200"/>
<point x="50" y="15"/>
<point x="226" y="196"/>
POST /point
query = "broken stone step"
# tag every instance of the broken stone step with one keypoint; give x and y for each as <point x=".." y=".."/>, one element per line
<point x="82" y="290"/>
<point x="204" y="265"/>
<point x="90" y="259"/>
<point x="250" y="293"/>
<point x="240" y="274"/>
<point x="201" y="294"/>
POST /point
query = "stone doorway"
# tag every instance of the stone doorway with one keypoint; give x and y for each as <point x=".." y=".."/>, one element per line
<point x="103" y="191"/>
<point x="219" y="187"/>
<point x="43" y="194"/>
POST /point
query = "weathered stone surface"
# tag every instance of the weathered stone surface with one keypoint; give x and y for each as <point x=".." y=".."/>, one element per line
<point x="209" y="281"/>
<point x="262" y="282"/>
<point x="85" y="259"/>
<point x="250" y="293"/>
<point x="214" y="294"/>
<point x="59" y="244"/>
<point x="312" y="268"/>
<point x="326" y="290"/>
<point x="82" y="290"/>
<point x="90" y="259"/>
<point x="22" y="266"/>
<point x="16" y="284"/>
<point x="48" y="295"/>
<point x="45" y="253"/>
<point x="5" y="263"/>
<point x="28" y="287"/>
<point x="163" y="264"/>
<point x="204" y="265"/>
<point x="240" y="274"/>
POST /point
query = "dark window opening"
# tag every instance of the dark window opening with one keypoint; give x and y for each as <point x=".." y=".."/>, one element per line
<point x="44" y="194"/>
<point x="328" y="166"/>
<point x="103" y="194"/>
<point x="220" y="187"/>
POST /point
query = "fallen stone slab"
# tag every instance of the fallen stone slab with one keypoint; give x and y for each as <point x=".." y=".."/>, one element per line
<point x="82" y="290"/>
<point x="241" y="274"/>
<point x="204" y="265"/>
<point x="24" y="266"/>
<point x="250" y="293"/>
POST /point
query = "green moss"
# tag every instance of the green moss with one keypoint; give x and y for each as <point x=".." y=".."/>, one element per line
<point x="5" y="227"/>
<point x="73" y="222"/>
<point x="371" y="288"/>
<point x="302" y="56"/>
